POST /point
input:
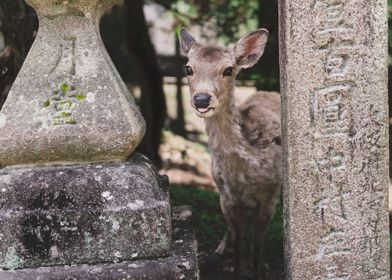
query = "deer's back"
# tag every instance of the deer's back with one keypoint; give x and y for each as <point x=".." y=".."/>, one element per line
<point x="264" y="99"/>
<point x="255" y="177"/>
<point x="260" y="119"/>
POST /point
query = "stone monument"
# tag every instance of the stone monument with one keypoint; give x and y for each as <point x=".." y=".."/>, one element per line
<point x="335" y="127"/>
<point x="74" y="204"/>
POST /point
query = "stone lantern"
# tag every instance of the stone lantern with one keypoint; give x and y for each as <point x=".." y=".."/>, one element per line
<point x="75" y="202"/>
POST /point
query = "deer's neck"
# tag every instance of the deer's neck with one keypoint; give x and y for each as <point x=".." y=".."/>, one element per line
<point x="224" y="130"/>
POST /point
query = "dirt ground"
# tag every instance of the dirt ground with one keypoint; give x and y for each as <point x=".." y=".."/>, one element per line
<point x="187" y="163"/>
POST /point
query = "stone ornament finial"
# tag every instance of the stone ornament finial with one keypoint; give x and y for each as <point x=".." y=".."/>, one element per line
<point x="68" y="104"/>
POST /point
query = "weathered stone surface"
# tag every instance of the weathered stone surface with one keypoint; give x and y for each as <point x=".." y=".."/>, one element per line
<point x="334" y="83"/>
<point x="84" y="8"/>
<point x="180" y="265"/>
<point x="68" y="103"/>
<point x="83" y="214"/>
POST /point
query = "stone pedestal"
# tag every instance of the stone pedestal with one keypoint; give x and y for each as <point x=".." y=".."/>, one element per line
<point x="335" y="131"/>
<point x="83" y="214"/>
<point x="181" y="264"/>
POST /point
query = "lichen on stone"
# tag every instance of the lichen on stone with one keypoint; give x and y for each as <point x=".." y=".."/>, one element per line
<point x="12" y="259"/>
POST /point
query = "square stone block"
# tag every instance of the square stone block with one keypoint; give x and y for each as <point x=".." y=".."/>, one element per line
<point x="180" y="265"/>
<point x="83" y="214"/>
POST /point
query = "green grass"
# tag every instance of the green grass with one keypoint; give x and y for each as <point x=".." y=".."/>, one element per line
<point x="210" y="225"/>
<point x="208" y="219"/>
<point x="390" y="248"/>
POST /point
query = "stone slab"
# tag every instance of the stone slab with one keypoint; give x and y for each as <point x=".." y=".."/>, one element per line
<point x="180" y="265"/>
<point x="68" y="103"/>
<point x="335" y="131"/>
<point x="83" y="214"/>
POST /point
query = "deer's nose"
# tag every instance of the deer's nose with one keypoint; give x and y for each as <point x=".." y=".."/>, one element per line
<point x="202" y="100"/>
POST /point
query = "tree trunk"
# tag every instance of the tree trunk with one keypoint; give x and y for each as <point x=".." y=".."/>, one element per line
<point x="18" y="26"/>
<point x="152" y="101"/>
<point x="179" y="123"/>
<point x="269" y="65"/>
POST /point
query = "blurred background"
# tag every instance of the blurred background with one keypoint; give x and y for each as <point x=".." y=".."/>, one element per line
<point x="142" y="39"/>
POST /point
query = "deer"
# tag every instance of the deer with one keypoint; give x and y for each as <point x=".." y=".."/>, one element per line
<point x="244" y="141"/>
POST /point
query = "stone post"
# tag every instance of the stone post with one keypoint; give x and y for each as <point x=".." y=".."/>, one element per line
<point x="71" y="194"/>
<point x="335" y="127"/>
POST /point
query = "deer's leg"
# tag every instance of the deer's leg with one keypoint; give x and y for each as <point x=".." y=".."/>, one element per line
<point x="262" y="216"/>
<point x="233" y="216"/>
<point x="220" y="250"/>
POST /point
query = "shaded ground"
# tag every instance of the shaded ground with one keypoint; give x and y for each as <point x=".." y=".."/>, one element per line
<point x="210" y="227"/>
<point x="187" y="163"/>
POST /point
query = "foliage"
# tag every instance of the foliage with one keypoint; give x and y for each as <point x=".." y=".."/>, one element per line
<point x="228" y="18"/>
<point x="228" y="21"/>
<point x="390" y="248"/>
<point x="18" y="25"/>
<point x="231" y="19"/>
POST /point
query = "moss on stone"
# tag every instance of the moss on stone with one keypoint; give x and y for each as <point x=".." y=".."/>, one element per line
<point x="71" y="122"/>
<point x="64" y="87"/>
<point x="46" y="103"/>
<point x="80" y="97"/>
<point x="62" y="115"/>
<point x="67" y="103"/>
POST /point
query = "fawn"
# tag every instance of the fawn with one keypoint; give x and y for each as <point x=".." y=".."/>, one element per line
<point x="244" y="141"/>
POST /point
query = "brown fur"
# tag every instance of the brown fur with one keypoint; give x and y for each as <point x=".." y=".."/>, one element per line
<point x="257" y="126"/>
<point x="211" y="53"/>
<point x="244" y="141"/>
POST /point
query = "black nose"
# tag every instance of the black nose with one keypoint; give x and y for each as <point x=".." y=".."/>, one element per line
<point x="202" y="100"/>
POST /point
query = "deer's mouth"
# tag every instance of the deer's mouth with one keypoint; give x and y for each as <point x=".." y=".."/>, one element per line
<point x="204" y="110"/>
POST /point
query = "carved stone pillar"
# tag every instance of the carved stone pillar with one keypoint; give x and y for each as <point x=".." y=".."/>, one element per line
<point x="335" y="126"/>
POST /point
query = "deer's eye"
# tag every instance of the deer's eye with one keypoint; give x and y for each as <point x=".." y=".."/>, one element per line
<point x="228" y="71"/>
<point x="188" y="70"/>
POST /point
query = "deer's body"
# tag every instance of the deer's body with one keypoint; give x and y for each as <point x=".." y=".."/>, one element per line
<point x="245" y="149"/>
<point x="244" y="141"/>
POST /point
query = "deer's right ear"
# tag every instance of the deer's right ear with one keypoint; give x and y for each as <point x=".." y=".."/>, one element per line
<point x="250" y="48"/>
<point x="187" y="40"/>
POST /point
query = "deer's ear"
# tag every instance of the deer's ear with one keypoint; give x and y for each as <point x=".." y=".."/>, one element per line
<point x="186" y="40"/>
<point x="250" y="48"/>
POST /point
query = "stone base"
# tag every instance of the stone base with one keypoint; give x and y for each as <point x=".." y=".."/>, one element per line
<point x="69" y="215"/>
<point x="181" y="264"/>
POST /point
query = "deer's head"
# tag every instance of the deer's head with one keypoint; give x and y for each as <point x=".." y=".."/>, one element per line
<point x="211" y="70"/>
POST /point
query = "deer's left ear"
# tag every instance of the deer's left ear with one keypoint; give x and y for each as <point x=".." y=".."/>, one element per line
<point x="250" y="48"/>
